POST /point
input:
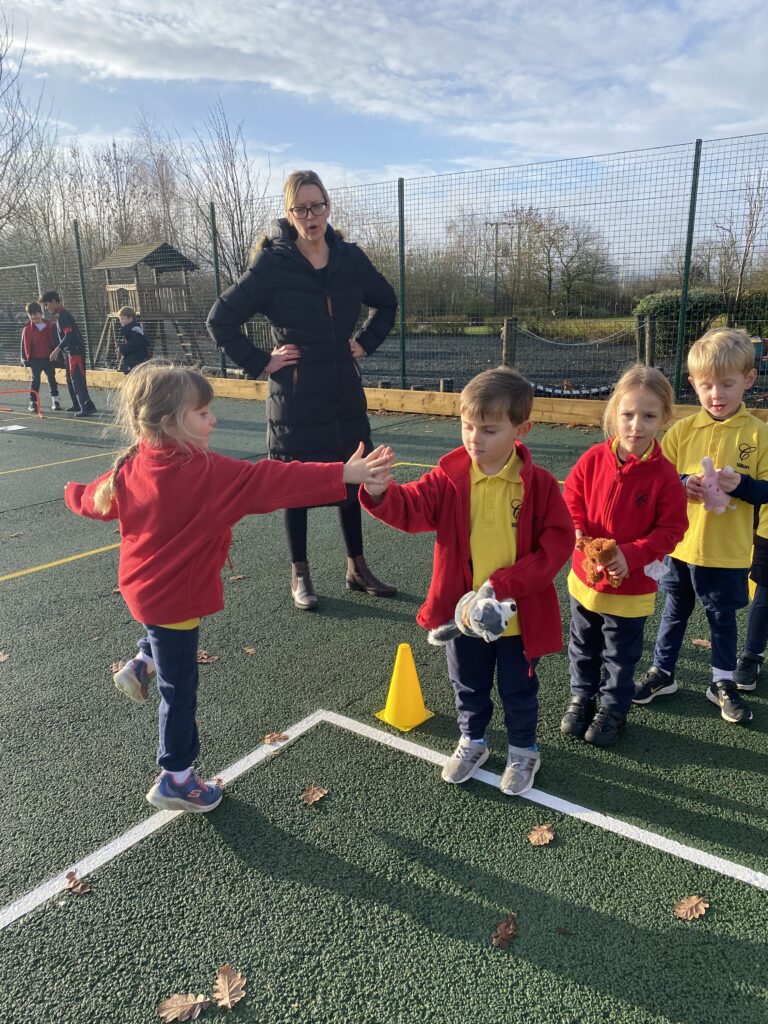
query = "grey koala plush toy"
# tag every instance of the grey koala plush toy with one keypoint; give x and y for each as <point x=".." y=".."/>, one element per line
<point x="477" y="614"/>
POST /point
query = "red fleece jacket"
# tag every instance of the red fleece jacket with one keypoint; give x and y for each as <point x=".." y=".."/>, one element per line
<point x="37" y="344"/>
<point x="641" y="505"/>
<point x="176" y="511"/>
<point x="439" y="501"/>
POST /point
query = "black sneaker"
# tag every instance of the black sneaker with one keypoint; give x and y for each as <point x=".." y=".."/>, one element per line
<point x="732" y="707"/>
<point x="747" y="671"/>
<point x="89" y="410"/>
<point x="577" y="717"/>
<point x="605" y="728"/>
<point x="654" y="683"/>
<point x="73" y="408"/>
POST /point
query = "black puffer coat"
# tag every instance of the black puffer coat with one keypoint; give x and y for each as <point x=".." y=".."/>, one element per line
<point x="316" y="410"/>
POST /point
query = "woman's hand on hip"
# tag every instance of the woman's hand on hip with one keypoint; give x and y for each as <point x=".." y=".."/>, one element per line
<point x="284" y="355"/>
<point x="356" y="349"/>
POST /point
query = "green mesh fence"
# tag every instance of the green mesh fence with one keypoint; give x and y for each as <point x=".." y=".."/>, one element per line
<point x="568" y="270"/>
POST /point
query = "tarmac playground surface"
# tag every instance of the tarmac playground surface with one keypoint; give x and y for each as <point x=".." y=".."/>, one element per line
<point x="378" y="903"/>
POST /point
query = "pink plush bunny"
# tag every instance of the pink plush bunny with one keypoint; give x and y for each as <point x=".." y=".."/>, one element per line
<point x="715" y="499"/>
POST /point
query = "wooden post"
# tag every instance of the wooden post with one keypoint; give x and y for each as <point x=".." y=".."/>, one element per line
<point x="446" y="384"/>
<point x="639" y="332"/>
<point x="650" y="341"/>
<point x="509" y="341"/>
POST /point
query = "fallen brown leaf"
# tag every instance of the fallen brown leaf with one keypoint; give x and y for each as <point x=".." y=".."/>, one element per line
<point x="275" y="737"/>
<point x="116" y="530"/>
<point x="541" y="835"/>
<point x="312" y="794"/>
<point x="571" y="426"/>
<point x="13" y="536"/>
<point x="234" y="579"/>
<point x="4" y="655"/>
<point x="116" y="666"/>
<point x="229" y="988"/>
<point x="506" y="930"/>
<point x="183" y="1007"/>
<point x="698" y="642"/>
<point x="75" y="885"/>
<point x="690" y="908"/>
<point x="115" y="590"/>
<point x="204" y="658"/>
<point x="249" y="650"/>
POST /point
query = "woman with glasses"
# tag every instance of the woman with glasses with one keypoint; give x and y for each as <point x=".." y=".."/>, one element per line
<point x="310" y="284"/>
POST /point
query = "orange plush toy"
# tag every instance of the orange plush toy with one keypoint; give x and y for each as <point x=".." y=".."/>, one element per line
<point x="596" y="550"/>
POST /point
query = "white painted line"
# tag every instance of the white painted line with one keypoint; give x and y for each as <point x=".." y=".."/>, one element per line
<point x="13" y="426"/>
<point x="29" y="902"/>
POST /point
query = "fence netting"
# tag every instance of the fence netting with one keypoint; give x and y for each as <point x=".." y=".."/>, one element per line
<point x="569" y="269"/>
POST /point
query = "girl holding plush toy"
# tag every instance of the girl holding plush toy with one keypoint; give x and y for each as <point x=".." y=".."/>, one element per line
<point x="629" y="511"/>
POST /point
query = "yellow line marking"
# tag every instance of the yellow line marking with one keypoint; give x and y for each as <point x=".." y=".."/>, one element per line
<point x="61" y="561"/>
<point x="62" y="462"/>
<point x="61" y="419"/>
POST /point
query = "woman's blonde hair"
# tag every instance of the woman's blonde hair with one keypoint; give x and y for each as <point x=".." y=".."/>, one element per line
<point x="152" y="403"/>
<point x="639" y="378"/>
<point x="294" y="182"/>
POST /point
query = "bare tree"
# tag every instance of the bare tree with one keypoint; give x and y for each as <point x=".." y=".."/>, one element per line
<point x="738" y="235"/>
<point x="215" y="166"/>
<point x="23" y="132"/>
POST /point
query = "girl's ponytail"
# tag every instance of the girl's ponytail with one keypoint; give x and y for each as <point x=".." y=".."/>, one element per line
<point x="106" y="492"/>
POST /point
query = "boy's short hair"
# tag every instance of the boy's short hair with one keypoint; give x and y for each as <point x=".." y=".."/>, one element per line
<point x="127" y="311"/>
<point x="33" y="307"/>
<point x="496" y="393"/>
<point x="50" y="297"/>
<point x="719" y="350"/>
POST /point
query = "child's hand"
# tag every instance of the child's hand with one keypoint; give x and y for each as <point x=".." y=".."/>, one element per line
<point x="693" y="488"/>
<point x="616" y="565"/>
<point x="728" y="479"/>
<point x="371" y="469"/>
<point x="55" y="354"/>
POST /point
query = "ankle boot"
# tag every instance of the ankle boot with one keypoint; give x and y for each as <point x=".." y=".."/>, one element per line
<point x="360" y="577"/>
<point x="302" y="591"/>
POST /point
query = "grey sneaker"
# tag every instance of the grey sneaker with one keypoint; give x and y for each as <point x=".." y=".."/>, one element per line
<point x="133" y="680"/>
<point x="465" y="760"/>
<point x="522" y="765"/>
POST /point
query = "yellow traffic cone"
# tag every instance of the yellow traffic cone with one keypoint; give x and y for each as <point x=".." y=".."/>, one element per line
<point x="405" y="704"/>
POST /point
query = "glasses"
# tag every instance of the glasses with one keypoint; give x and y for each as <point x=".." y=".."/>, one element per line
<point x="302" y="212"/>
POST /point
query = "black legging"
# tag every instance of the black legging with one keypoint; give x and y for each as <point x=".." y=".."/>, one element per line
<point x="350" y="517"/>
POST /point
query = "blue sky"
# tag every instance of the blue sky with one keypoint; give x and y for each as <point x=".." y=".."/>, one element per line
<point x="365" y="92"/>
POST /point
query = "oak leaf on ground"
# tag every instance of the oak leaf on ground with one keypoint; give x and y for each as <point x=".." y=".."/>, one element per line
<point x="204" y="658"/>
<point x="4" y="655"/>
<point x="249" y="650"/>
<point x="691" y="907"/>
<point x="75" y="885"/>
<point x="312" y="794"/>
<point x="14" y="535"/>
<point x="275" y="737"/>
<point x="541" y="835"/>
<point x="506" y="930"/>
<point x="115" y="590"/>
<point x="234" y="579"/>
<point x="698" y="642"/>
<point x="183" y="1007"/>
<point x="229" y="988"/>
<point x="116" y="666"/>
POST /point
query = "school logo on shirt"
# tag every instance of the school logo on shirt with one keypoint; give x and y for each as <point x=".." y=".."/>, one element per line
<point x="516" y="506"/>
<point x="641" y="498"/>
<point x="745" y="450"/>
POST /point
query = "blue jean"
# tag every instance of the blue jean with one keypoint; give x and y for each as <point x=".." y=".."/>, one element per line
<point x="174" y="652"/>
<point x="721" y="592"/>
<point x="471" y="667"/>
<point x="611" y="642"/>
<point x="757" y="623"/>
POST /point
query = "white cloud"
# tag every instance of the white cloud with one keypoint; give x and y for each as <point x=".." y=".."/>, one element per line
<point x="523" y="81"/>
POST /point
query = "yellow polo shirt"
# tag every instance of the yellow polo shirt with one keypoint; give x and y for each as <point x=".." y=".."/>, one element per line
<point x="625" y="606"/>
<point x="494" y="507"/>
<point x="741" y="442"/>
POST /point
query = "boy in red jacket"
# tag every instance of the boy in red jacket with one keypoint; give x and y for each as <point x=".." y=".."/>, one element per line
<point x="37" y="343"/>
<point x="501" y="527"/>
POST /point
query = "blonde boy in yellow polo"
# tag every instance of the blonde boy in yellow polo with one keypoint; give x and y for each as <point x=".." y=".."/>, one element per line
<point x="712" y="561"/>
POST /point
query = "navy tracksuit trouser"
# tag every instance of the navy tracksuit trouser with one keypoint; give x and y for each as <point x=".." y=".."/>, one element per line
<point x="174" y="652"/>
<point x="603" y="651"/>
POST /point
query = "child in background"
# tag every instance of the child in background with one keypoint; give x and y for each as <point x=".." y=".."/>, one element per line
<point x="501" y="521"/>
<point x="71" y="346"/>
<point x="712" y="561"/>
<point x="133" y="348"/>
<point x="751" y="659"/>
<point x="623" y="489"/>
<point x="176" y="503"/>
<point x="37" y="343"/>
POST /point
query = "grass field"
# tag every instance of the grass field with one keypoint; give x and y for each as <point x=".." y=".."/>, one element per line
<point x="378" y="903"/>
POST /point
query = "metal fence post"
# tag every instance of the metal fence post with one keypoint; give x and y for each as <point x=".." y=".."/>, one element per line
<point x="687" y="270"/>
<point x="83" y="298"/>
<point x="639" y="332"/>
<point x="401" y="264"/>
<point x="217" y="277"/>
<point x="650" y="341"/>
<point x="509" y="341"/>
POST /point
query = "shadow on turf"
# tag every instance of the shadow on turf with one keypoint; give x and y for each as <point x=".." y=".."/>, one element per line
<point x="646" y="967"/>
